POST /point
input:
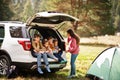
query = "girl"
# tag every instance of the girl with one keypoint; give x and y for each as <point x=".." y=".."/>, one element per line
<point x="73" y="41"/>
<point x="48" y="50"/>
<point x="50" y="42"/>
<point x="39" y="51"/>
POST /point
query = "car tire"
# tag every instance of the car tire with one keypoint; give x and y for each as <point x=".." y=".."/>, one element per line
<point x="4" y="65"/>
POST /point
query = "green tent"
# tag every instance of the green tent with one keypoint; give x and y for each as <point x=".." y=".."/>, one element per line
<point x="106" y="66"/>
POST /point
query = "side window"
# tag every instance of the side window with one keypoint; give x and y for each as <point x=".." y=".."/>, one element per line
<point x="18" y="32"/>
<point x="2" y="33"/>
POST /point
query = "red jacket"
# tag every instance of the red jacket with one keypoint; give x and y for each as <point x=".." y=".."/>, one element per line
<point x="73" y="47"/>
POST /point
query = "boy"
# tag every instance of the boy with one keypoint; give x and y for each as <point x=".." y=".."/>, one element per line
<point x="56" y="51"/>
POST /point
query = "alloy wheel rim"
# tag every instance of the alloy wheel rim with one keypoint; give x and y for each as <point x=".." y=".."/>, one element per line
<point x="3" y="66"/>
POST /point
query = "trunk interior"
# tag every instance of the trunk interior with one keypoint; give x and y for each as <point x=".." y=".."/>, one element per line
<point x="46" y="32"/>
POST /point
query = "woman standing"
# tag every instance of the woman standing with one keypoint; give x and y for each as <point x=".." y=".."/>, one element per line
<point x="73" y="41"/>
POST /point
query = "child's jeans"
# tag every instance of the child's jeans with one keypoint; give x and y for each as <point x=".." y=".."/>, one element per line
<point x="39" y="55"/>
<point x="52" y="56"/>
<point x="58" y="55"/>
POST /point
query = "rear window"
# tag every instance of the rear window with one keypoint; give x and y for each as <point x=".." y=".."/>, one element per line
<point x="18" y="32"/>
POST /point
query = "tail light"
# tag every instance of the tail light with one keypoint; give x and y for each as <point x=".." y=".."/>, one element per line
<point x="25" y="44"/>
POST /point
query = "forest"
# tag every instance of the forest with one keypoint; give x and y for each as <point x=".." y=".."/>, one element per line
<point x="97" y="17"/>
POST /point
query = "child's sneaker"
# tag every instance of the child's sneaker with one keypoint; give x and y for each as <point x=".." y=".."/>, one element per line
<point x="63" y="61"/>
<point x="48" y="69"/>
<point x="40" y="71"/>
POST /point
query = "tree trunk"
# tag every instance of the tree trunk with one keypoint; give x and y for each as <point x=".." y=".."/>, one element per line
<point x="73" y="4"/>
<point x="118" y="25"/>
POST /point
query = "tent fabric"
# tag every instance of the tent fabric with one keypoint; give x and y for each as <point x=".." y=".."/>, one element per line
<point x="106" y="65"/>
<point x="115" y="68"/>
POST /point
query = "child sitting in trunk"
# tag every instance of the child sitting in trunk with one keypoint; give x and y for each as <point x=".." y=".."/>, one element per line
<point x="48" y="49"/>
<point x="50" y="42"/>
<point x="38" y="51"/>
<point x="57" y="51"/>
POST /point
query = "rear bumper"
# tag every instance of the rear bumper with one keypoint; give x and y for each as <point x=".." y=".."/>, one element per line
<point x="33" y="65"/>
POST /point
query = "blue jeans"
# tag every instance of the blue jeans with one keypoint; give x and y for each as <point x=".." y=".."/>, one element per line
<point x="72" y="63"/>
<point x="51" y="56"/>
<point x="39" y="55"/>
<point x="58" y="55"/>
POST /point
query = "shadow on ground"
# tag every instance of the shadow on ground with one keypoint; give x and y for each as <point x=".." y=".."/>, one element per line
<point x="34" y="75"/>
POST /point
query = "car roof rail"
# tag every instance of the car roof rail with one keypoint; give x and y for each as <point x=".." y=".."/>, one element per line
<point x="18" y="22"/>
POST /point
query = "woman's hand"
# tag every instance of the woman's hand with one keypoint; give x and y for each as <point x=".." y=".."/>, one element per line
<point x="66" y="51"/>
<point x="59" y="49"/>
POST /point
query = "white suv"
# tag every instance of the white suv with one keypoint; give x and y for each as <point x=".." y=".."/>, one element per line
<point x="15" y="40"/>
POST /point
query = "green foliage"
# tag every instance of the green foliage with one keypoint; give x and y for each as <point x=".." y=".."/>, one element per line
<point x="115" y="12"/>
<point x="97" y="17"/>
<point x="104" y="21"/>
<point x="28" y="11"/>
<point x="5" y="12"/>
<point x="47" y="5"/>
<point x="18" y="10"/>
<point x="22" y="10"/>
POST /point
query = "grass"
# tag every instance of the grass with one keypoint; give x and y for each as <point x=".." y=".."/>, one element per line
<point x="86" y="56"/>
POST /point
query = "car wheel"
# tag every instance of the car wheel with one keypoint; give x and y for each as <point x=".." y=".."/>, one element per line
<point x="4" y="65"/>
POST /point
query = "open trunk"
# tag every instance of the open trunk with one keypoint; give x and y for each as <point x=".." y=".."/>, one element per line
<point x="44" y="23"/>
<point x="46" y="32"/>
